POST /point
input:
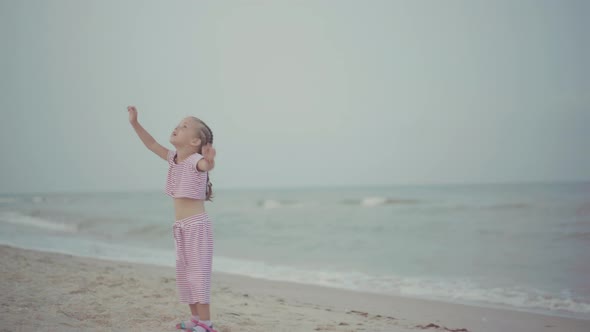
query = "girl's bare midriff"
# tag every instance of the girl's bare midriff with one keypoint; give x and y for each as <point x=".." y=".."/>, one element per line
<point x="186" y="207"/>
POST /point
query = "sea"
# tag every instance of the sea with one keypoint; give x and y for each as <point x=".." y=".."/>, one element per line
<point x="520" y="246"/>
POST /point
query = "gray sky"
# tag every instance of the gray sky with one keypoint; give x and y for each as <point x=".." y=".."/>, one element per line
<point x="297" y="93"/>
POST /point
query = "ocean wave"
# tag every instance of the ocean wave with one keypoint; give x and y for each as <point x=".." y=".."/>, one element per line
<point x="372" y="201"/>
<point x="8" y="200"/>
<point x="503" y="206"/>
<point x="94" y="249"/>
<point x="466" y="291"/>
<point x="38" y="199"/>
<point x="21" y="219"/>
<point x="452" y="290"/>
<point x="380" y="200"/>
<point x="274" y="204"/>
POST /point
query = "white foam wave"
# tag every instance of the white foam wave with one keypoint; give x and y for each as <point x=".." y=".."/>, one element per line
<point x="270" y="204"/>
<point x="458" y="291"/>
<point x="274" y="204"/>
<point x="373" y="201"/>
<point x="21" y="219"/>
<point x="100" y="250"/>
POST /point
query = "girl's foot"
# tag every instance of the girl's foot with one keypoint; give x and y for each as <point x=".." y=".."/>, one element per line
<point x="187" y="325"/>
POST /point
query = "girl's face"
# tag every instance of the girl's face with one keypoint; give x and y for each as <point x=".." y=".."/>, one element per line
<point x="185" y="133"/>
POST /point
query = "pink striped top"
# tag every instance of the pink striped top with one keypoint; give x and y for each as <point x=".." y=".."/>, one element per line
<point x="184" y="180"/>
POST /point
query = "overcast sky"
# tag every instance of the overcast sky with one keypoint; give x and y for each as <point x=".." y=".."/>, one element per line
<point x="297" y="93"/>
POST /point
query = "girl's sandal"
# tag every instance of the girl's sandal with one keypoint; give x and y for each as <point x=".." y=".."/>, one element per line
<point x="182" y="326"/>
<point x="207" y="328"/>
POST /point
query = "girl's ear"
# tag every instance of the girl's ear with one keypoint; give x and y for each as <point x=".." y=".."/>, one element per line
<point x="196" y="141"/>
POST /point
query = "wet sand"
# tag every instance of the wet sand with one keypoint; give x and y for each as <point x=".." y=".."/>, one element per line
<point x="55" y="292"/>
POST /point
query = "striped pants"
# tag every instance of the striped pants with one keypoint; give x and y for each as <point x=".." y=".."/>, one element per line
<point x="193" y="240"/>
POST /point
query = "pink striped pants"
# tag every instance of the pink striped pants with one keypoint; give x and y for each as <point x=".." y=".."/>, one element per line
<point x="193" y="240"/>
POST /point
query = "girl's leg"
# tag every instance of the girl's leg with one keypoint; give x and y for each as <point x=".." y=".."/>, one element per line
<point x="199" y="258"/>
<point x="203" y="310"/>
<point x="202" y="258"/>
<point x="204" y="318"/>
<point x="181" y="276"/>
<point x="194" y="310"/>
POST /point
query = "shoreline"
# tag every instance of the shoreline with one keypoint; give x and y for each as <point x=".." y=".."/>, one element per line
<point x="66" y="292"/>
<point x="483" y="305"/>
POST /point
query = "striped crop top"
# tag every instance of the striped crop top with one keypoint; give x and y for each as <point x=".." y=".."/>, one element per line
<point x="184" y="180"/>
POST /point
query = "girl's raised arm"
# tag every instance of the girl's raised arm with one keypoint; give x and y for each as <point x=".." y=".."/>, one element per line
<point x="145" y="137"/>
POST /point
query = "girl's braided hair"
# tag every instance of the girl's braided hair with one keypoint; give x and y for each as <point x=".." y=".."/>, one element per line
<point x="206" y="136"/>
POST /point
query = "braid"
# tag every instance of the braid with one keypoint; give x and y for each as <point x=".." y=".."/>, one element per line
<point x="210" y="140"/>
<point x="209" y="191"/>
<point x="209" y="184"/>
<point x="208" y="133"/>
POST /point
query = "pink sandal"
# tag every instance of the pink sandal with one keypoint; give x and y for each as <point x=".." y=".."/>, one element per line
<point x="207" y="328"/>
<point x="181" y="326"/>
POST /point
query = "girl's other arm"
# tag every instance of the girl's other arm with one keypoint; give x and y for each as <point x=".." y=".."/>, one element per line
<point x="207" y="163"/>
<point x="145" y="137"/>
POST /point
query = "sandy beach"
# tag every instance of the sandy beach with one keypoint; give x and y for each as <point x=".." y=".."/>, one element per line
<point x="55" y="292"/>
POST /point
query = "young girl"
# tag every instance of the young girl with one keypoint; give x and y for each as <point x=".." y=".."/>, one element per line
<point x="188" y="183"/>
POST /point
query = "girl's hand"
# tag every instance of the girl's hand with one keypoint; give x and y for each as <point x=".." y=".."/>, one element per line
<point x="209" y="155"/>
<point x="132" y="114"/>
